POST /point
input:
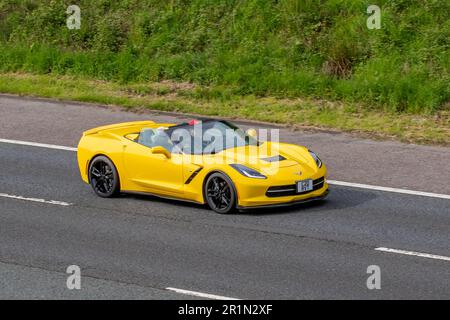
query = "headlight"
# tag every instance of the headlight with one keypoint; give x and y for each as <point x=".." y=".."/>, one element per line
<point x="316" y="158"/>
<point x="248" y="172"/>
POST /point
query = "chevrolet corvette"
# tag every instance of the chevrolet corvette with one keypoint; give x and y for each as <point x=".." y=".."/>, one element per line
<point x="203" y="161"/>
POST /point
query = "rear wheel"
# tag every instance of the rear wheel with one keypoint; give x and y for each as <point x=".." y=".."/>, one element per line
<point x="220" y="193"/>
<point x="103" y="177"/>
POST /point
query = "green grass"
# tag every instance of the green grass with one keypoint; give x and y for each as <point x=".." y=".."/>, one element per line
<point x="297" y="62"/>
<point x="187" y="98"/>
<point x="305" y="49"/>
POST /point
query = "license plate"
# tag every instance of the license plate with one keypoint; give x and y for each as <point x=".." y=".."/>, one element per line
<point x="304" y="185"/>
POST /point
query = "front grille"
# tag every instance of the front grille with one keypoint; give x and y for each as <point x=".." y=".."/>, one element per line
<point x="291" y="189"/>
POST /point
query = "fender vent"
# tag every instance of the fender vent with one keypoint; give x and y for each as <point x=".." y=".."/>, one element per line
<point x="193" y="175"/>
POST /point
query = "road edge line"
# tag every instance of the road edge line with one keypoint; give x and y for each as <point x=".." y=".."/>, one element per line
<point x="54" y="202"/>
<point x="199" y="294"/>
<point x="388" y="189"/>
<point x="40" y="145"/>
<point x="331" y="182"/>
<point x="413" y="253"/>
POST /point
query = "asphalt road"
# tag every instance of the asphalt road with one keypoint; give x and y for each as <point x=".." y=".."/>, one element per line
<point x="137" y="246"/>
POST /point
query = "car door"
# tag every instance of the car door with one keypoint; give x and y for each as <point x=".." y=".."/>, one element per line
<point x="149" y="172"/>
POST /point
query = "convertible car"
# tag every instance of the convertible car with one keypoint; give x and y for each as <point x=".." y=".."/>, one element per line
<point x="204" y="161"/>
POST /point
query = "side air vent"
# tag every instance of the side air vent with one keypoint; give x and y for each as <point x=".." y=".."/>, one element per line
<point x="193" y="175"/>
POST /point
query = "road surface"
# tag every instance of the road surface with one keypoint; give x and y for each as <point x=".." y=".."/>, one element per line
<point x="137" y="247"/>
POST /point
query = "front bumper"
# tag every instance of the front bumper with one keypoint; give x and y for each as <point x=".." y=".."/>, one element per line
<point x="276" y="190"/>
<point x="256" y="197"/>
<point x="288" y="203"/>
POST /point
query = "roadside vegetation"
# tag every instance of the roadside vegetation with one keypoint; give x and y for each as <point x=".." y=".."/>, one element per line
<point x="302" y="113"/>
<point x="301" y="62"/>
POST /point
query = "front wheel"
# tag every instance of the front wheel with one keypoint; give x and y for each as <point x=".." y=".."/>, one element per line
<point x="103" y="177"/>
<point x="220" y="193"/>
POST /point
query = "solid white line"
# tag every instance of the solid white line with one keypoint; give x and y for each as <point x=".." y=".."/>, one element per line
<point x="332" y="182"/>
<point x="413" y="253"/>
<point x="58" y="203"/>
<point x="388" y="189"/>
<point x="200" y="294"/>
<point x="40" y="145"/>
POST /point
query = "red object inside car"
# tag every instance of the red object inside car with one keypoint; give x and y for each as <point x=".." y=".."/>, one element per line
<point x="193" y="122"/>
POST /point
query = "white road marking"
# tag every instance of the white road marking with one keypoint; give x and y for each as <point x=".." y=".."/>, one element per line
<point x="40" y="145"/>
<point x="413" y="253"/>
<point x="388" y="189"/>
<point x="332" y="182"/>
<point x="200" y="294"/>
<point x="58" y="203"/>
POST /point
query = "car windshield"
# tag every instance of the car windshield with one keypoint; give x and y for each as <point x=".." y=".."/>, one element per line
<point x="208" y="137"/>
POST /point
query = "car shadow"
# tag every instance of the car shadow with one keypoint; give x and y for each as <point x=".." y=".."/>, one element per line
<point x="172" y="202"/>
<point x="338" y="199"/>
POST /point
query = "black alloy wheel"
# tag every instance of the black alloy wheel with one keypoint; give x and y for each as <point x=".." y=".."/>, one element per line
<point x="220" y="193"/>
<point x="103" y="177"/>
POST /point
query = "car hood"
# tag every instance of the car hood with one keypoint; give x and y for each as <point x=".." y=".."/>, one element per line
<point x="267" y="157"/>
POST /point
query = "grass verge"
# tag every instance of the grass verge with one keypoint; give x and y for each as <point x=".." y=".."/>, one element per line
<point x="188" y="98"/>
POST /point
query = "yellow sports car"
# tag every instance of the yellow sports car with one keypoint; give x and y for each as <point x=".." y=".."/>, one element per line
<point x="203" y="161"/>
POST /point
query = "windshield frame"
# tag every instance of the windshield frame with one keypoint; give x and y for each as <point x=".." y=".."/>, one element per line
<point x="198" y="127"/>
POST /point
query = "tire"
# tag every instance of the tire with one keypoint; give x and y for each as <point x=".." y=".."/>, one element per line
<point x="103" y="177"/>
<point x="220" y="193"/>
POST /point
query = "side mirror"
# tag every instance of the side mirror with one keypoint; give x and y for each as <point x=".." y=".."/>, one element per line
<point x="252" y="133"/>
<point x="161" y="150"/>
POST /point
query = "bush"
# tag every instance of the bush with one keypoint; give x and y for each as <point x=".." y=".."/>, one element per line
<point x="262" y="47"/>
